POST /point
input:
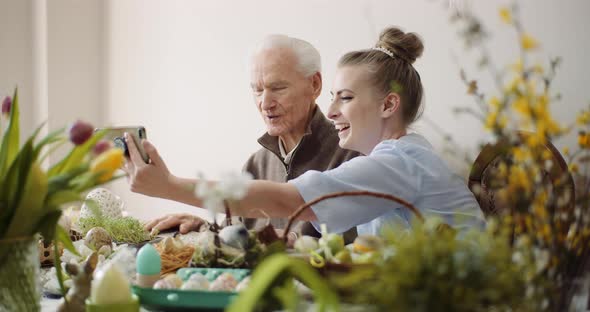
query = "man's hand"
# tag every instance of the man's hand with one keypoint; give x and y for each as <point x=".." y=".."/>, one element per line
<point x="153" y="179"/>
<point x="185" y="221"/>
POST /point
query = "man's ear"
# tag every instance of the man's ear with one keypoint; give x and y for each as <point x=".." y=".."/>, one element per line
<point x="391" y="104"/>
<point x="316" y="84"/>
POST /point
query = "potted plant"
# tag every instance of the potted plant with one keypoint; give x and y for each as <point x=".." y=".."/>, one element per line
<point x="31" y="196"/>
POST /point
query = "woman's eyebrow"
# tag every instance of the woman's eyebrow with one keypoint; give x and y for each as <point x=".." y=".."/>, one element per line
<point x="343" y="90"/>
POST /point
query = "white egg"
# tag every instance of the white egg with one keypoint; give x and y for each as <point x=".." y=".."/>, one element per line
<point x="224" y="282"/>
<point x="196" y="282"/>
<point x="236" y="236"/>
<point x="110" y="286"/>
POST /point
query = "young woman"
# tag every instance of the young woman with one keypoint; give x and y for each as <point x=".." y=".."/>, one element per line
<point x="377" y="95"/>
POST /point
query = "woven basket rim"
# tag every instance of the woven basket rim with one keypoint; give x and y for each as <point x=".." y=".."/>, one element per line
<point x="386" y="196"/>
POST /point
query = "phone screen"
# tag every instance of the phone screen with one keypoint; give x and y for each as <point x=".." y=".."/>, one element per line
<point x="116" y="135"/>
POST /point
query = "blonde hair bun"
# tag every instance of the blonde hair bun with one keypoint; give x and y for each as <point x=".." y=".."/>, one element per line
<point x="407" y="46"/>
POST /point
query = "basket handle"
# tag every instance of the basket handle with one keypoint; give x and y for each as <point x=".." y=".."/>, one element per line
<point x="393" y="198"/>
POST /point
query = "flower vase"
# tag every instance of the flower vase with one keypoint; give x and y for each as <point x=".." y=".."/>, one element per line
<point x="580" y="299"/>
<point x="19" y="274"/>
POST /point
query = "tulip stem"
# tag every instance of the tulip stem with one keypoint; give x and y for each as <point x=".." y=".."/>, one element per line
<point x="55" y="146"/>
<point x="1" y="130"/>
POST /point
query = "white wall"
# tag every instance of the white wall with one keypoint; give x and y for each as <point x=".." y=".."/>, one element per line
<point x="53" y="51"/>
<point x="179" y="66"/>
<point x="75" y="51"/>
<point x="16" y="66"/>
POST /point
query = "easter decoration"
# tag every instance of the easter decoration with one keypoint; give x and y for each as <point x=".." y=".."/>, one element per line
<point x="103" y="209"/>
<point x="32" y="194"/>
<point x="111" y="291"/>
<point x="81" y="277"/>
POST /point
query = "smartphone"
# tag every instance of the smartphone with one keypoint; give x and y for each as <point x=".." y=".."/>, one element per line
<point x="116" y="135"/>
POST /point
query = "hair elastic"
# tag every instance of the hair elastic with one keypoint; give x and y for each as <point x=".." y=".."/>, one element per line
<point x="384" y="50"/>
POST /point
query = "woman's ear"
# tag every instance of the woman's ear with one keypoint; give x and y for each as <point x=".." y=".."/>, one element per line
<point x="391" y="104"/>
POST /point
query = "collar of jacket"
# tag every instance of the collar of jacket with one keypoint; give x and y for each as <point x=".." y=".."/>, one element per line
<point x="319" y="124"/>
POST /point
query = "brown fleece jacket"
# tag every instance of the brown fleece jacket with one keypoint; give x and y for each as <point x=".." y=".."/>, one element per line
<point x="318" y="150"/>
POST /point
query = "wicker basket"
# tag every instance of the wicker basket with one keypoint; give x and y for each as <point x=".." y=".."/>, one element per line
<point x="336" y="273"/>
<point x="390" y="197"/>
<point x="46" y="251"/>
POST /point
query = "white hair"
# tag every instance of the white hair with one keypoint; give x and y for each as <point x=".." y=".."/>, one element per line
<point x="308" y="57"/>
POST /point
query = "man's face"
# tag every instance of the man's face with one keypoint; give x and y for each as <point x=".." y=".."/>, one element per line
<point x="283" y="95"/>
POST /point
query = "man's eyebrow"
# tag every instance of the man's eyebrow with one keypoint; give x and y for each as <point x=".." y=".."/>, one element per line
<point x="273" y="84"/>
<point x="278" y="83"/>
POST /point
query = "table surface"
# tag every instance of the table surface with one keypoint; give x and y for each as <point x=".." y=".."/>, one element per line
<point x="50" y="305"/>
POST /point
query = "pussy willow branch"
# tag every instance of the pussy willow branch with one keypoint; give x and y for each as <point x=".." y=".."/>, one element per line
<point x="492" y="69"/>
<point x="456" y="148"/>
<point x="586" y="175"/>
<point x="469" y="111"/>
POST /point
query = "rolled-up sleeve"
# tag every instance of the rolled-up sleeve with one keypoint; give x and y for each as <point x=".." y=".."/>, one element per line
<point x="359" y="174"/>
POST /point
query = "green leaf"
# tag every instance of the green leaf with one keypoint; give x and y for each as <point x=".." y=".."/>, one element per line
<point x="11" y="139"/>
<point x="16" y="174"/>
<point x="24" y="192"/>
<point x="25" y="158"/>
<point x="62" y="197"/>
<point x="270" y="270"/>
<point x="11" y="193"/>
<point x="85" y="181"/>
<point x="53" y="137"/>
<point x="50" y="138"/>
<point x="287" y="295"/>
<point x="34" y="136"/>
<point x="62" y="181"/>
<point x="64" y="237"/>
<point x="48" y="224"/>
<point x="58" y="272"/>
<point x="76" y="156"/>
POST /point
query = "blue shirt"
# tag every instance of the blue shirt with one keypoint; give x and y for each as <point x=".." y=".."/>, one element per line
<point x="407" y="168"/>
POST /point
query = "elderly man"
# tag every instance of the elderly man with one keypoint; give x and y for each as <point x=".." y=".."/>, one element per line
<point x="285" y="81"/>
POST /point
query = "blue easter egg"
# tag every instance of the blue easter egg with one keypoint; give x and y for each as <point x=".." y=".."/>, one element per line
<point x="148" y="260"/>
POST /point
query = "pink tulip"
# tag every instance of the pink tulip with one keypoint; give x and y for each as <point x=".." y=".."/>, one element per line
<point x="80" y="132"/>
<point x="101" y="146"/>
<point x="6" y="105"/>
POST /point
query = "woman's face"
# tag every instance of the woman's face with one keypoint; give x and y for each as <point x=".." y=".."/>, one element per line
<point x="356" y="109"/>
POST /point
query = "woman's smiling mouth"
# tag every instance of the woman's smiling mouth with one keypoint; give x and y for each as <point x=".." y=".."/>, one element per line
<point x="342" y="127"/>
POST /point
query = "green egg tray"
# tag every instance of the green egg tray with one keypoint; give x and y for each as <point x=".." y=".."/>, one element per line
<point x="189" y="300"/>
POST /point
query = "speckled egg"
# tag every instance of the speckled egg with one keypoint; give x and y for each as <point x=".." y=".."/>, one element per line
<point x="224" y="282"/>
<point x="108" y="203"/>
<point x="105" y="250"/>
<point x="243" y="284"/>
<point x="196" y="282"/>
<point x="96" y="238"/>
<point x="164" y="284"/>
<point x="175" y="279"/>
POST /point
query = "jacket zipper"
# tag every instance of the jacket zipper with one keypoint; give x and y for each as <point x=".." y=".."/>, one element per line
<point x="288" y="167"/>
